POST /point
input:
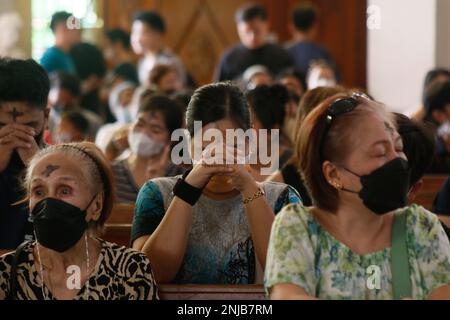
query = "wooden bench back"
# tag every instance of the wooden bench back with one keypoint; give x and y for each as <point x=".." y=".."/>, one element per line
<point x="211" y="292"/>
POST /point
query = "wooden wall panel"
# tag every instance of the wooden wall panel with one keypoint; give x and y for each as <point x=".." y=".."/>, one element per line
<point x="200" y="30"/>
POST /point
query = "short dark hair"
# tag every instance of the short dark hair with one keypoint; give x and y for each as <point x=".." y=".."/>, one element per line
<point x="66" y="81"/>
<point x="24" y="81"/>
<point x="433" y="74"/>
<point x="268" y="104"/>
<point x="437" y="96"/>
<point x="127" y="72"/>
<point x="171" y="111"/>
<point x="250" y="12"/>
<point x="119" y="36"/>
<point x="88" y="60"/>
<point x="152" y="19"/>
<point x="58" y="18"/>
<point x="79" y="121"/>
<point x="304" y="17"/>
<point x="217" y="101"/>
<point x="419" y="143"/>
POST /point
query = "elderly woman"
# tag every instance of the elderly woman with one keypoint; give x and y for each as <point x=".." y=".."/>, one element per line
<point x="70" y="196"/>
<point x="359" y="240"/>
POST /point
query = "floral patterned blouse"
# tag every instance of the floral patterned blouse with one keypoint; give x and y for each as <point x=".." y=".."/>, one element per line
<point x="301" y="252"/>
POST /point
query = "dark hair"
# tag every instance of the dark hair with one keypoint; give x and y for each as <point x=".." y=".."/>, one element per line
<point x="152" y="19"/>
<point x="419" y="145"/>
<point x="59" y="17"/>
<point x="318" y="142"/>
<point x="159" y="71"/>
<point x="437" y="96"/>
<point x="294" y="73"/>
<point x="304" y="17"/>
<point x="88" y="60"/>
<point x="78" y="120"/>
<point x="170" y="110"/>
<point x="66" y="81"/>
<point x="251" y="12"/>
<point x="182" y="98"/>
<point x="268" y="104"/>
<point x="127" y="72"/>
<point x="217" y="101"/>
<point x="24" y="81"/>
<point x="433" y="74"/>
<point x="119" y="36"/>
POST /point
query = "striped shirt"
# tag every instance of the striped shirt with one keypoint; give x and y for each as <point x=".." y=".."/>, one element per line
<point x="126" y="187"/>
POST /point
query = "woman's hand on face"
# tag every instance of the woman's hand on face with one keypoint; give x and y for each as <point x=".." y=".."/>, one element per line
<point x="243" y="181"/>
<point x="205" y="168"/>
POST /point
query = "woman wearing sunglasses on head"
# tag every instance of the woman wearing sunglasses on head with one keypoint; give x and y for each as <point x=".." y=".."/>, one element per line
<point x="358" y="240"/>
<point x="70" y="196"/>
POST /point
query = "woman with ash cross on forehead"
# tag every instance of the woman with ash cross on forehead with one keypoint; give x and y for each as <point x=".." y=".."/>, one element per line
<point x="70" y="196"/>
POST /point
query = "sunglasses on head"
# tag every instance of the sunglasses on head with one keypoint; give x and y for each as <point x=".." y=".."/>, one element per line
<point x="342" y="106"/>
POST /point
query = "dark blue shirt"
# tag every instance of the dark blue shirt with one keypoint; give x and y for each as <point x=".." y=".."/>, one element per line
<point x="305" y="52"/>
<point x="236" y="60"/>
<point x="14" y="225"/>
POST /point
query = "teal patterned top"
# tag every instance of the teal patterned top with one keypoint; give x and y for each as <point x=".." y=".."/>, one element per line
<point x="301" y="252"/>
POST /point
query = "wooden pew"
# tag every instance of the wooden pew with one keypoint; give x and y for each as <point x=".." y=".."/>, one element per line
<point x="118" y="225"/>
<point x="211" y="292"/>
<point x="431" y="186"/>
<point x="122" y="213"/>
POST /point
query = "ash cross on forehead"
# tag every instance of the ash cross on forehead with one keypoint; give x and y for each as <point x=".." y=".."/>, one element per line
<point x="49" y="170"/>
<point x="15" y="114"/>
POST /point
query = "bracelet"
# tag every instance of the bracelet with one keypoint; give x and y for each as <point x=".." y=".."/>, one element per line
<point x="256" y="195"/>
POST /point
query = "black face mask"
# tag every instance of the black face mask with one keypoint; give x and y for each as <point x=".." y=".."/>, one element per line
<point x="386" y="188"/>
<point x="58" y="224"/>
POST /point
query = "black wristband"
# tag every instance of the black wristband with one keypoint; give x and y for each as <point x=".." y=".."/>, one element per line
<point x="186" y="192"/>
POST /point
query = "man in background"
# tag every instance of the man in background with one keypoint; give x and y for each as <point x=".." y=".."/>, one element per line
<point x="254" y="49"/>
<point x="304" y="50"/>
<point x="67" y="34"/>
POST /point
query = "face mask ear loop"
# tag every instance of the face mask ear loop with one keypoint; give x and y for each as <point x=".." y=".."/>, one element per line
<point x="348" y="190"/>
<point x="91" y="202"/>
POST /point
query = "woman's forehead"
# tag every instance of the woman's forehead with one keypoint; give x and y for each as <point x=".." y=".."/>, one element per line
<point x="58" y="164"/>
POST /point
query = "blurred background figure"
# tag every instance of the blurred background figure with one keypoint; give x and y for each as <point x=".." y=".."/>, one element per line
<point x="267" y="109"/>
<point x="320" y="74"/>
<point x="165" y="78"/>
<point x="121" y="108"/>
<point x="117" y="48"/>
<point x="67" y="34"/>
<point x="64" y="96"/>
<point x="293" y="80"/>
<point x="304" y="28"/>
<point x="149" y="140"/>
<point x="433" y="76"/>
<point x="11" y="25"/>
<point x="253" y="30"/>
<point x="147" y="40"/>
<point x="91" y="69"/>
<point x="73" y="127"/>
<point x="255" y="76"/>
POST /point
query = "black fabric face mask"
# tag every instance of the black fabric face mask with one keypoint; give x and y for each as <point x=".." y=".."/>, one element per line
<point x="58" y="224"/>
<point x="386" y="188"/>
